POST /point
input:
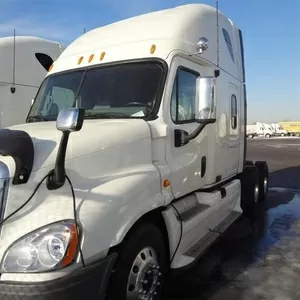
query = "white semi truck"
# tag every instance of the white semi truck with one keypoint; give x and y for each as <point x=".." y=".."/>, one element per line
<point x="24" y="63"/>
<point x="132" y="162"/>
<point x="278" y="129"/>
<point x="259" y="129"/>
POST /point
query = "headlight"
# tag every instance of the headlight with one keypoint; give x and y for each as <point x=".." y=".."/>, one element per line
<point x="4" y="180"/>
<point x="49" y="248"/>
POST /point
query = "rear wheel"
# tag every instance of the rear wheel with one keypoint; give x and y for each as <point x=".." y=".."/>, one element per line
<point x="267" y="135"/>
<point x="282" y="134"/>
<point x="250" y="136"/>
<point x="263" y="174"/>
<point x="141" y="266"/>
<point x="250" y="191"/>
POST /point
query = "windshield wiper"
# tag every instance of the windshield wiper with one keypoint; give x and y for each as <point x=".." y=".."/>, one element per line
<point x="36" y="117"/>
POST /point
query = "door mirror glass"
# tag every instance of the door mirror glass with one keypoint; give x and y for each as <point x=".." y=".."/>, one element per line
<point x="205" y="101"/>
<point x="70" y="119"/>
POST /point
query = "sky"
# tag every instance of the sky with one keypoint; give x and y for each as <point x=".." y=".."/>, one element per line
<point x="271" y="31"/>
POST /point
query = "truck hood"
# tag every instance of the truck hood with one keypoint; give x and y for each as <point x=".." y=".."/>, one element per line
<point x="95" y="136"/>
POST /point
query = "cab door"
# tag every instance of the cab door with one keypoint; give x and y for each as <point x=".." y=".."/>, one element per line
<point x="187" y="163"/>
<point x="233" y="142"/>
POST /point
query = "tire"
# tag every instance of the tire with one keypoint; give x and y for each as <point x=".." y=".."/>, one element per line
<point x="147" y="244"/>
<point x="249" y="163"/>
<point x="267" y="136"/>
<point x="250" y="192"/>
<point x="282" y="134"/>
<point x="250" y="136"/>
<point x="263" y="174"/>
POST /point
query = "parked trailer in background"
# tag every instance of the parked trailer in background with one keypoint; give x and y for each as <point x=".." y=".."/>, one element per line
<point x="24" y="62"/>
<point x="278" y="129"/>
<point x="292" y="128"/>
<point x="149" y="168"/>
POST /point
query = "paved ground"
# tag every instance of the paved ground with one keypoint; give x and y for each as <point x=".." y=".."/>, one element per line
<point x="257" y="261"/>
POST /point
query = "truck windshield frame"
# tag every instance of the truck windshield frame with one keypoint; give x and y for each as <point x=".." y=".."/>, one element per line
<point x="130" y="89"/>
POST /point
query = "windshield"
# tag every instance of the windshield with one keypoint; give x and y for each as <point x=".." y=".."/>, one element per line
<point x="115" y="91"/>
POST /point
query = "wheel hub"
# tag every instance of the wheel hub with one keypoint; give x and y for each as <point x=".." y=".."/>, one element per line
<point x="144" y="277"/>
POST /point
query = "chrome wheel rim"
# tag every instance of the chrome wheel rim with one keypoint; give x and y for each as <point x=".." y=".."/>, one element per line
<point x="265" y="185"/>
<point x="144" y="277"/>
<point x="256" y="193"/>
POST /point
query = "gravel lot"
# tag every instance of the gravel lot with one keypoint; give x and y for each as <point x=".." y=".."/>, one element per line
<point x="256" y="261"/>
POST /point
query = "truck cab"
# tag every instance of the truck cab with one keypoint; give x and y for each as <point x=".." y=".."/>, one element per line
<point x="24" y="63"/>
<point x="132" y="161"/>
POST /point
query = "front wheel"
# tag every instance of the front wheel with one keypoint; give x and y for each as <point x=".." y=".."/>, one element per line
<point x="267" y="135"/>
<point x="141" y="266"/>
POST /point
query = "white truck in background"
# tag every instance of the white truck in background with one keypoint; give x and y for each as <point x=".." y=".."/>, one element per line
<point x="132" y="162"/>
<point x="278" y="129"/>
<point x="24" y="63"/>
<point x="259" y="129"/>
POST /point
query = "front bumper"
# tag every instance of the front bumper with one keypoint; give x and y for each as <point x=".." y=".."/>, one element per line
<point x="87" y="283"/>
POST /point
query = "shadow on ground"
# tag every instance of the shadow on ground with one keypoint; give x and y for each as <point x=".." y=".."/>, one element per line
<point x="252" y="260"/>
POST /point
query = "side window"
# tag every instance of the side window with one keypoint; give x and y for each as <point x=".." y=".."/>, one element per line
<point x="233" y="112"/>
<point x="228" y="42"/>
<point x="184" y="96"/>
<point x="45" y="60"/>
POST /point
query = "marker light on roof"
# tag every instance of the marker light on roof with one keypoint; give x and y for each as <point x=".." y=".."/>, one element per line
<point x="50" y="68"/>
<point x="80" y="60"/>
<point x="91" y="57"/>
<point x="152" y="49"/>
<point x="102" y="55"/>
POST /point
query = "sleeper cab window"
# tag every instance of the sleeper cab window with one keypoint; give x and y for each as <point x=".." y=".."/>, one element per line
<point x="233" y="112"/>
<point x="184" y="96"/>
<point x="45" y="60"/>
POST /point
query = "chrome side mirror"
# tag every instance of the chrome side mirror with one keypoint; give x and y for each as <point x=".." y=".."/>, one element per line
<point x="205" y="107"/>
<point x="70" y="119"/>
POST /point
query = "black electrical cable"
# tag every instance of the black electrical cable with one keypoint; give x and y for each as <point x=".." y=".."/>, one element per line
<point x="74" y="210"/>
<point x="75" y="218"/>
<point x="181" y="232"/>
<point x="25" y="203"/>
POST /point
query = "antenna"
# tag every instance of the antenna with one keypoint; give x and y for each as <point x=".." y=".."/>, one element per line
<point x="84" y="31"/>
<point x="218" y="44"/>
<point x="13" y="88"/>
<point x="14" y="58"/>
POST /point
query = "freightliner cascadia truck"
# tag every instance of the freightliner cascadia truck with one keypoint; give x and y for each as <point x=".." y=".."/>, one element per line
<point x="132" y="161"/>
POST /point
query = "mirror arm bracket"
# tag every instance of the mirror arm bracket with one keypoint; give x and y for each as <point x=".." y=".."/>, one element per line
<point x="57" y="177"/>
<point x="182" y="137"/>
